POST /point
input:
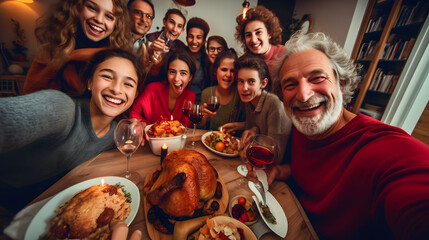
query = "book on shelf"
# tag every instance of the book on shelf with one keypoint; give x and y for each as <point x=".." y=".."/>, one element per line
<point x="407" y="49"/>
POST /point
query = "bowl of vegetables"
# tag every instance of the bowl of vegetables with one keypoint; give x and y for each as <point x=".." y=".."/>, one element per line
<point x="221" y="143"/>
<point x="244" y="209"/>
<point x="170" y="133"/>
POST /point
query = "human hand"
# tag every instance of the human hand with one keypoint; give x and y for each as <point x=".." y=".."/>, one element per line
<point x="207" y="112"/>
<point x="272" y="172"/>
<point x="229" y="127"/>
<point x="120" y="232"/>
<point x="247" y="135"/>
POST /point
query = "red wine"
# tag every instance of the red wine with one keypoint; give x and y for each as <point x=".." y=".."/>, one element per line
<point x="127" y="149"/>
<point x="260" y="156"/>
<point x="185" y="112"/>
<point x="196" y="118"/>
<point x="213" y="107"/>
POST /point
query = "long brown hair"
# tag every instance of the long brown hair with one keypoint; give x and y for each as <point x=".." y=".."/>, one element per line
<point x="56" y="31"/>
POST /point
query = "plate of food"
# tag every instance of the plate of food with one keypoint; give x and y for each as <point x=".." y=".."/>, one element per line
<point x="163" y="132"/>
<point x="186" y="189"/>
<point x="221" y="143"/>
<point x="224" y="227"/>
<point x="66" y="215"/>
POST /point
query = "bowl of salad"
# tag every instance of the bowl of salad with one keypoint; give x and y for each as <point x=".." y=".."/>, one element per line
<point x="221" y="143"/>
<point x="170" y="133"/>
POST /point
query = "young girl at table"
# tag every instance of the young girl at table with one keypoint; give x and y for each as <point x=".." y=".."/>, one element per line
<point x="44" y="135"/>
<point x="265" y="113"/>
<point x="260" y="34"/>
<point x="69" y="36"/>
<point x="164" y="100"/>
<point x="231" y="108"/>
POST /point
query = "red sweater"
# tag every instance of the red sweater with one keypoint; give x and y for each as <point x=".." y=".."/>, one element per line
<point x="366" y="181"/>
<point x="152" y="104"/>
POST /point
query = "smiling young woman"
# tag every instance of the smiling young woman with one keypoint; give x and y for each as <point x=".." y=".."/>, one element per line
<point x="68" y="43"/>
<point x="45" y="134"/>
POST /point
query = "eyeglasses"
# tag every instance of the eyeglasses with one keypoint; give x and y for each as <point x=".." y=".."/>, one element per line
<point x="140" y="14"/>
<point x="212" y="49"/>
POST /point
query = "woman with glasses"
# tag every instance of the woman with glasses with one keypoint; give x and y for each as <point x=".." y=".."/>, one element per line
<point x="215" y="45"/>
<point x="69" y="36"/>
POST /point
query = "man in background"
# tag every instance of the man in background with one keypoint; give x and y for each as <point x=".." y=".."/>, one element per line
<point x="142" y="14"/>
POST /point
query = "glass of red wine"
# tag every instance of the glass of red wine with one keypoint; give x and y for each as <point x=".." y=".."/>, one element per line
<point x="196" y="116"/>
<point x="213" y="103"/>
<point x="186" y="108"/>
<point x="260" y="152"/>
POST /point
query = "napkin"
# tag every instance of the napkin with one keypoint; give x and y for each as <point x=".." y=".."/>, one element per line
<point x="21" y="221"/>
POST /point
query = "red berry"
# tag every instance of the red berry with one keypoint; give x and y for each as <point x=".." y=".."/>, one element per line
<point x="242" y="200"/>
<point x="244" y="217"/>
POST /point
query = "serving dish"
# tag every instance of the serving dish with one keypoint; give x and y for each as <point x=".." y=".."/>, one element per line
<point x="40" y="223"/>
<point x="248" y="234"/>
<point x="203" y="137"/>
<point x="155" y="234"/>
<point x="250" y="200"/>
<point x="281" y="227"/>
<point x="173" y="143"/>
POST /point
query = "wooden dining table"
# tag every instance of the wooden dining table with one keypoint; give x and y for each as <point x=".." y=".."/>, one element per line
<point x="143" y="161"/>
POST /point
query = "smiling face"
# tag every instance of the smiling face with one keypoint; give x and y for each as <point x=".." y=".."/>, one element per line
<point x="249" y="85"/>
<point x="195" y="40"/>
<point x="141" y="18"/>
<point x="225" y="73"/>
<point x="178" y="76"/>
<point x="173" y="26"/>
<point x="256" y="37"/>
<point x="311" y="93"/>
<point x="213" y="50"/>
<point x="97" y="19"/>
<point x="113" y="86"/>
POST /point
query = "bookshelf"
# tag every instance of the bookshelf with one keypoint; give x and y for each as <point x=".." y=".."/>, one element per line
<point x="385" y="40"/>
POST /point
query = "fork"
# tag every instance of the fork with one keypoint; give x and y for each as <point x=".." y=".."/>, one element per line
<point x="260" y="188"/>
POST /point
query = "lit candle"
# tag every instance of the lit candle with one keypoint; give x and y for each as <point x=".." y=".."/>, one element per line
<point x="171" y="119"/>
<point x="220" y="129"/>
<point x="102" y="182"/>
<point x="164" y="151"/>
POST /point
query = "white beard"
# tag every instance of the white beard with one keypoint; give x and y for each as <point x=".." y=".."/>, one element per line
<point x="316" y="125"/>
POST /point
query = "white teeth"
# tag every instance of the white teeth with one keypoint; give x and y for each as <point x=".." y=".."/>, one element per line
<point x="113" y="100"/>
<point x="96" y="28"/>
<point x="307" y="108"/>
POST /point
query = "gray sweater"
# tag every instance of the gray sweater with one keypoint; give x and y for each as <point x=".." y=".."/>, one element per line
<point x="44" y="135"/>
<point x="271" y="119"/>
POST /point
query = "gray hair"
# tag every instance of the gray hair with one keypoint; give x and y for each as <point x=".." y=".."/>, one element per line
<point x="344" y="67"/>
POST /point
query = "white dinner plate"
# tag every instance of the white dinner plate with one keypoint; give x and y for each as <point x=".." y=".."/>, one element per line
<point x="213" y="150"/>
<point x="248" y="234"/>
<point x="276" y="209"/>
<point x="39" y="226"/>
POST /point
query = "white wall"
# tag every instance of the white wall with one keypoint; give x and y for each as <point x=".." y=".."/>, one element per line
<point x="219" y="14"/>
<point x="333" y="17"/>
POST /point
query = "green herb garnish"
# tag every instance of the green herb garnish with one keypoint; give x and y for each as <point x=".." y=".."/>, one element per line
<point x="126" y="193"/>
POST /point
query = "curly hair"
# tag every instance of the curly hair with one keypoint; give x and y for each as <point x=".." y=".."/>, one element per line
<point x="264" y="15"/>
<point x="344" y="67"/>
<point x="200" y="23"/>
<point x="258" y="64"/>
<point x="56" y="31"/>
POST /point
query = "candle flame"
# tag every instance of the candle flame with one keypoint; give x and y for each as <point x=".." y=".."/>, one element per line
<point x="164" y="146"/>
<point x="171" y="117"/>
<point x="102" y="182"/>
<point x="220" y="129"/>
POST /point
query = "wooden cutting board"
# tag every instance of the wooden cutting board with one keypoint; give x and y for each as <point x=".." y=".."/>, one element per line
<point x="155" y="234"/>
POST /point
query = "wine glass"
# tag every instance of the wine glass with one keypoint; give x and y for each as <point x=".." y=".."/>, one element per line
<point x="196" y="116"/>
<point x="186" y="108"/>
<point x="213" y="103"/>
<point x="128" y="137"/>
<point x="260" y="152"/>
<point x="164" y="37"/>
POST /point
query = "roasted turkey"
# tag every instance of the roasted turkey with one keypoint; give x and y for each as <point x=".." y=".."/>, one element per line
<point x="186" y="180"/>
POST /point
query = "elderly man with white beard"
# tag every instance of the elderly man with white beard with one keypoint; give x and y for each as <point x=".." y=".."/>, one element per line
<point x="356" y="177"/>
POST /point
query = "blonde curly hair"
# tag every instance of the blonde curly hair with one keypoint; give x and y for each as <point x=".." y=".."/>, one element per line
<point x="261" y="13"/>
<point x="56" y="31"/>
